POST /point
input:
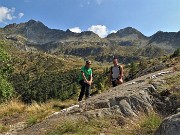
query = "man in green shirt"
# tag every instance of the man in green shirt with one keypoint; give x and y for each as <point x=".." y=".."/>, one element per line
<point x="85" y="80"/>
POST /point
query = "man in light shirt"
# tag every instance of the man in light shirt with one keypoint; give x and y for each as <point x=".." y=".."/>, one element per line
<point x="116" y="73"/>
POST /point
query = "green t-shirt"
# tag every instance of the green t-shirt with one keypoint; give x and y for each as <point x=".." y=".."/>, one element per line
<point x="87" y="72"/>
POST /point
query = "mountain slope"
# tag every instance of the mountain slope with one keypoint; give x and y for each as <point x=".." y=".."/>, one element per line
<point x="128" y="32"/>
<point x="128" y="44"/>
<point x="37" y="33"/>
<point x="165" y="40"/>
<point x="122" y="103"/>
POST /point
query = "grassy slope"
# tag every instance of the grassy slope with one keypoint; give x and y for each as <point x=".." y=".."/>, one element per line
<point x="25" y="62"/>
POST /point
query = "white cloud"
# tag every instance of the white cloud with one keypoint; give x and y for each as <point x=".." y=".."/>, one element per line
<point x="113" y="31"/>
<point x="20" y="15"/>
<point x="101" y="30"/>
<point x="76" y="30"/>
<point x="8" y="14"/>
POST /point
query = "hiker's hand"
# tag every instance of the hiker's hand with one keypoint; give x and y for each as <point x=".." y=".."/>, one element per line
<point x="120" y="81"/>
<point x="89" y="82"/>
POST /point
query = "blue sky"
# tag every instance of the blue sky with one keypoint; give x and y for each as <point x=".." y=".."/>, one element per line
<point x="100" y="16"/>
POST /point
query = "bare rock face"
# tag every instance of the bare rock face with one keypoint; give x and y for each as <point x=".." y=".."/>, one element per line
<point x="132" y="98"/>
<point x="127" y="102"/>
<point x="170" y="125"/>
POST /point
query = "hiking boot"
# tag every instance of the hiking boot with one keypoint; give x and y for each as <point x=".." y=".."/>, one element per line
<point x="87" y="97"/>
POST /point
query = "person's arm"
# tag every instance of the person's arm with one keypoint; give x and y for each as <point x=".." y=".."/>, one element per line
<point x="88" y="82"/>
<point x="110" y="74"/>
<point x="121" y="73"/>
<point x="91" y="78"/>
<point x="84" y="77"/>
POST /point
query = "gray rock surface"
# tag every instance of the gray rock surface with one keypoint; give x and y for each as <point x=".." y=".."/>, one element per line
<point x="170" y="125"/>
<point x="127" y="100"/>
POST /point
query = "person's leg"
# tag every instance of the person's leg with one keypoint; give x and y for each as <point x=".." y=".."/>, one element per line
<point x="88" y="88"/>
<point x="82" y="90"/>
<point x="114" y="83"/>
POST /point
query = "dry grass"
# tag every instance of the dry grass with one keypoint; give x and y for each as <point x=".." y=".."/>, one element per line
<point x="61" y="105"/>
<point x="33" y="113"/>
<point x="37" y="112"/>
<point x="80" y="126"/>
<point x="172" y="84"/>
<point x="146" y="124"/>
<point x="3" y="128"/>
<point x="10" y="108"/>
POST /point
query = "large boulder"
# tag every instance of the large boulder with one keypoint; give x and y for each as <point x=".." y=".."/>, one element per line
<point x="128" y="101"/>
<point x="170" y="125"/>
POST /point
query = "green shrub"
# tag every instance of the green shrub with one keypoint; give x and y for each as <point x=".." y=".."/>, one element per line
<point x="176" y="53"/>
<point x="32" y="120"/>
<point x="6" y="88"/>
<point x="148" y="124"/>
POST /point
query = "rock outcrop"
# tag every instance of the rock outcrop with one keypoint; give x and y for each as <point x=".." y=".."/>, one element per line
<point x="130" y="99"/>
<point x="170" y="125"/>
<point x="125" y="100"/>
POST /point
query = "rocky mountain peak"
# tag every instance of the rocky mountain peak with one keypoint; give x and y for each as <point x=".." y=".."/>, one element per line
<point x="166" y="37"/>
<point x="128" y="31"/>
<point x="30" y="22"/>
<point x="10" y="26"/>
<point x="88" y="33"/>
<point x="68" y="31"/>
<point x="35" y="24"/>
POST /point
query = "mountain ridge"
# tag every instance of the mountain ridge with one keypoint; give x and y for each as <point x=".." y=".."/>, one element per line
<point x="128" y="42"/>
<point x="127" y="30"/>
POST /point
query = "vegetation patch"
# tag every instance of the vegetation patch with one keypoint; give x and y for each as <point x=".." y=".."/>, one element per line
<point x="147" y="124"/>
<point x="10" y="108"/>
<point x="6" y="88"/>
<point x="82" y="126"/>
<point x="3" y="128"/>
<point x="171" y="84"/>
<point x="37" y="112"/>
<point x="16" y="111"/>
